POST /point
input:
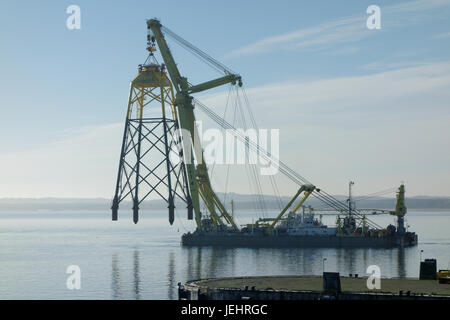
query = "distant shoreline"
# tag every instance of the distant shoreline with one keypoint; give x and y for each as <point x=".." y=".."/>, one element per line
<point x="242" y="202"/>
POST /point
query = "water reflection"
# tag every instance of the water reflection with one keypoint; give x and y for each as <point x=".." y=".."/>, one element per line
<point x="181" y="264"/>
<point x="118" y="290"/>
<point x="115" y="278"/>
<point x="194" y="262"/>
<point x="349" y="260"/>
<point x="207" y="262"/>
<point x="171" y="274"/>
<point x="136" y="275"/>
<point x="401" y="263"/>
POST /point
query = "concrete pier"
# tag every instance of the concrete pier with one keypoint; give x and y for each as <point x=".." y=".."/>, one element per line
<point x="310" y="288"/>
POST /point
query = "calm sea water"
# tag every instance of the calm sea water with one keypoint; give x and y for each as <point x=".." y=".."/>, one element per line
<point x="120" y="260"/>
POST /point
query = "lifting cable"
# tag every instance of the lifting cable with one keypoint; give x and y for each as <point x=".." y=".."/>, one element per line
<point x="253" y="169"/>
<point x="253" y="183"/>
<point x="291" y="174"/>
<point x="197" y="52"/>
<point x="271" y="177"/>
<point x="375" y="194"/>
<point x="220" y="67"/>
<point x="287" y="171"/>
<point x="224" y="117"/>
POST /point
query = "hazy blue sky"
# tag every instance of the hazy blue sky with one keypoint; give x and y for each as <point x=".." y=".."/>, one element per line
<point x="350" y="103"/>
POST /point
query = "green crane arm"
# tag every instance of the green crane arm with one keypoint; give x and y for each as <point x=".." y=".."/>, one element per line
<point x="400" y="206"/>
<point x="197" y="176"/>
<point x="230" y="78"/>
<point x="185" y="112"/>
<point x="308" y="189"/>
<point x="180" y="83"/>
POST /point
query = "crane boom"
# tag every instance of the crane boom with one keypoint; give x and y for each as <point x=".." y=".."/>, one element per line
<point x="230" y="78"/>
<point x="307" y="189"/>
<point x="197" y="175"/>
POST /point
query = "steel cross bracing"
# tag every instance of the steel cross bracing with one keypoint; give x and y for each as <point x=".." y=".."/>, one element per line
<point x="151" y="160"/>
<point x="148" y="128"/>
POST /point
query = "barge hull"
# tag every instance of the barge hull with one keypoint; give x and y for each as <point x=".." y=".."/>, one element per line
<point x="260" y="241"/>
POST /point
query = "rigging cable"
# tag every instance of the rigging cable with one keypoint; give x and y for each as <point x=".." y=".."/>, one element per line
<point x="294" y="176"/>
<point x="253" y="169"/>
<point x="291" y="174"/>
<point x="198" y="52"/>
<point x="375" y="194"/>
<point x="271" y="177"/>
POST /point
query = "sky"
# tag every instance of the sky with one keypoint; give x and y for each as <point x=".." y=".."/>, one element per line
<point x="351" y="103"/>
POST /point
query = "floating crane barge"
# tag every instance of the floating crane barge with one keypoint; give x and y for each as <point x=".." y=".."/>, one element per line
<point x="142" y="173"/>
<point x="303" y="230"/>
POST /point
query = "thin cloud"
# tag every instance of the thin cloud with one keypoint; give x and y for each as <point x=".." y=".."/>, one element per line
<point x="442" y="35"/>
<point x="388" y="65"/>
<point x="78" y="163"/>
<point x="360" y="94"/>
<point x="418" y="5"/>
<point x="305" y="37"/>
<point x="342" y="30"/>
<point x="383" y="128"/>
